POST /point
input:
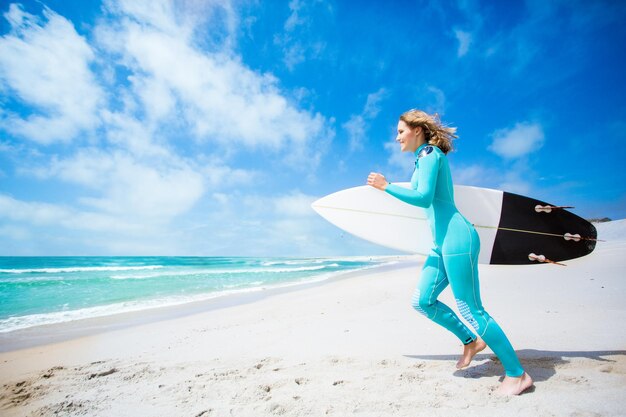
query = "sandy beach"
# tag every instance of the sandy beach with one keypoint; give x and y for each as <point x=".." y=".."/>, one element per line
<point x="350" y="345"/>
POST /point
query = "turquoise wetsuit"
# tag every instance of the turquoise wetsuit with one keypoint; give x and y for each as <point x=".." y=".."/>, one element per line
<point x="453" y="258"/>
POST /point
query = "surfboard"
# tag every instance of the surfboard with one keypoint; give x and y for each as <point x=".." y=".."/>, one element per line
<point x="513" y="229"/>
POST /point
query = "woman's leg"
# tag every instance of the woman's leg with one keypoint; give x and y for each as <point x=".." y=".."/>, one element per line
<point x="463" y="274"/>
<point x="432" y="281"/>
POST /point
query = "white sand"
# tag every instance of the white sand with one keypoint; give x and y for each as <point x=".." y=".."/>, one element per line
<point x="352" y="345"/>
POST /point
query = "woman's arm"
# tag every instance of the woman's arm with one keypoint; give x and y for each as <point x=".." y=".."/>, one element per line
<point x="427" y="180"/>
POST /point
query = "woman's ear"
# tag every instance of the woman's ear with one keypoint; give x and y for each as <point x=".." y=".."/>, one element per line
<point x="418" y="130"/>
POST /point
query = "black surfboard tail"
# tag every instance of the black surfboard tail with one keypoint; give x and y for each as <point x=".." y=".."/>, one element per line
<point x="528" y="234"/>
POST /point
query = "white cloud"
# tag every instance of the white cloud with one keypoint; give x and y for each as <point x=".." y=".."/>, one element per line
<point x="182" y="18"/>
<point x="218" y="97"/>
<point x="299" y="25"/>
<point x="221" y="198"/>
<point x="218" y="175"/>
<point x="469" y="16"/>
<point x="151" y="190"/>
<point x="165" y="136"/>
<point x="358" y="124"/>
<point x="156" y="96"/>
<point x="293" y="54"/>
<point x="372" y="104"/>
<point x="476" y="175"/>
<point x="465" y="40"/>
<point x="296" y="204"/>
<point x="355" y="127"/>
<point x="136" y="136"/>
<point x="38" y="214"/>
<point x="137" y="176"/>
<point x="146" y="190"/>
<point x="159" y="14"/>
<point x="518" y="141"/>
<point x="141" y="189"/>
<point x="294" y="20"/>
<point x="46" y="64"/>
<point x="259" y="225"/>
<point x="517" y="186"/>
<point x="516" y="177"/>
<point x="519" y="178"/>
<point x="38" y="227"/>
<point x="436" y="101"/>
<point x="34" y="213"/>
<point x="293" y="228"/>
<point x="430" y="98"/>
<point x="15" y="233"/>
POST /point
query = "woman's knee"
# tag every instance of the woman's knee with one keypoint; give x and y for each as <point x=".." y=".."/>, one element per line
<point x="421" y="304"/>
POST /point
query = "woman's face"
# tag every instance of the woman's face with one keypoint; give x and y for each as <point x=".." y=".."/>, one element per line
<point x="408" y="137"/>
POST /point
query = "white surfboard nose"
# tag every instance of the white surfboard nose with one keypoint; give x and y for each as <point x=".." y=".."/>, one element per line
<point x="378" y="217"/>
<point x="375" y="216"/>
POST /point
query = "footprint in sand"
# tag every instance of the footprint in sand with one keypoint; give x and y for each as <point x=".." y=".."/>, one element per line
<point x="301" y="381"/>
<point x="50" y="372"/>
<point x="606" y="369"/>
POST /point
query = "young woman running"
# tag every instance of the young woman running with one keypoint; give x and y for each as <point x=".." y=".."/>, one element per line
<point x="454" y="256"/>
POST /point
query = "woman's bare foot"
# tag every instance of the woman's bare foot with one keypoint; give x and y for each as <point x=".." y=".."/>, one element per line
<point x="515" y="386"/>
<point x="469" y="351"/>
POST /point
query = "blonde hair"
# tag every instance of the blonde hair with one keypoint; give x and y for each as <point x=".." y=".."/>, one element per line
<point x="434" y="131"/>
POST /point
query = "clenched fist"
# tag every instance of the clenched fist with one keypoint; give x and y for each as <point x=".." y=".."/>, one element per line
<point x="377" y="180"/>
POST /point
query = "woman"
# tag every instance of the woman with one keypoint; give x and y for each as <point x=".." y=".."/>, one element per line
<point x="454" y="256"/>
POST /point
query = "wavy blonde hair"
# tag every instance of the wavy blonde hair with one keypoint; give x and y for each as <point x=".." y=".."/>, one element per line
<point x="434" y="131"/>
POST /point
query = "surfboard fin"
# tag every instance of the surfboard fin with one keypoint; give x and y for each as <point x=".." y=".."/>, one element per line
<point x="542" y="259"/>
<point x="577" y="238"/>
<point x="548" y="209"/>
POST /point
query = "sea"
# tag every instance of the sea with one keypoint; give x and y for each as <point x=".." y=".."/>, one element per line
<point x="44" y="290"/>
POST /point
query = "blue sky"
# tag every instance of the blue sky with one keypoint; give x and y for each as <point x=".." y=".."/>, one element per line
<point x="191" y="127"/>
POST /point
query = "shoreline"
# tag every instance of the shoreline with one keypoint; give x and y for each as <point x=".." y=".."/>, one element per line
<point x="41" y="335"/>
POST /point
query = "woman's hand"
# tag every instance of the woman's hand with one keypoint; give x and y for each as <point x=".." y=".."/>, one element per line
<point x="377" y="180"/>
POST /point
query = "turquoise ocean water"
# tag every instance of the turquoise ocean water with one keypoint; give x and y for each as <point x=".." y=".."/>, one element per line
<point x="44" y="290"/>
